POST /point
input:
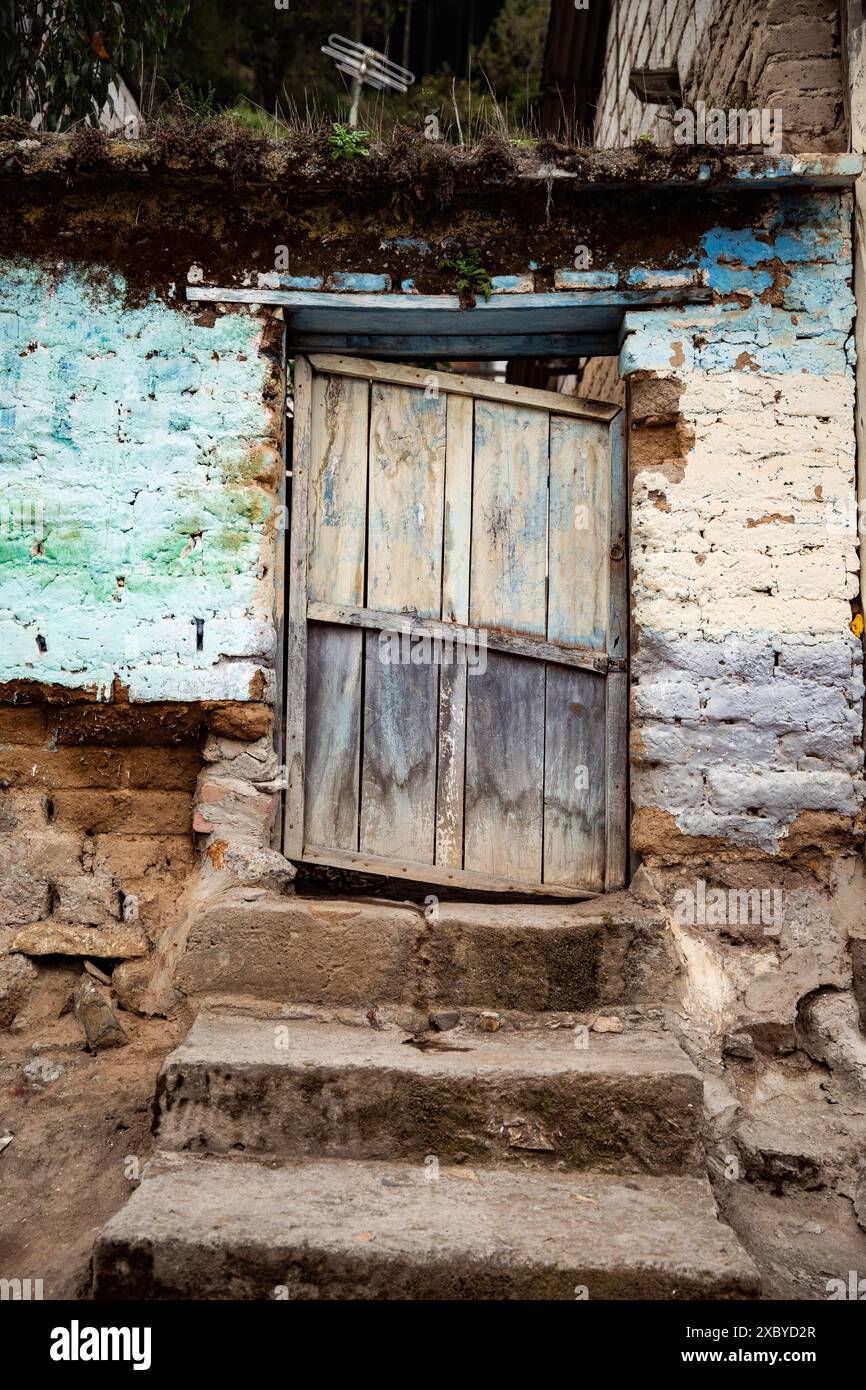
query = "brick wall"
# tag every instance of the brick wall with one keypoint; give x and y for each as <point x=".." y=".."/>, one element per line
<point x="95" y="831"/>
<point x="748" y="697"/>
<point x="769" y="53"/>
<point x="139" y="473"/>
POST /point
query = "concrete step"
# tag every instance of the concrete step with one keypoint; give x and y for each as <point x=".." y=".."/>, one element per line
<point x="210" y="1228"/>
<point x="333" y="951"/>
<point x="625" y="1103"/>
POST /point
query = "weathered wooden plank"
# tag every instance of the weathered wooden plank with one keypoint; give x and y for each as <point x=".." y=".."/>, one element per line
<point x="575" y="778"/>
<point x="407" y="499"/>
<point x="296" y="632"/>
<point x="458" y="511"/>
<point x="443" y="874"/>
<point x="577" y="605"/>
<point x="398" y="784"/>
<point x="455" y="608"/>
<point x="617" y="810"/>
<point x="280" y="606"/>
<point x="509" y="519"/>
<point x="474" y="387"/>
<point x="458" y="346"/>
<point x="618" y="552"/>
<point x="334" y="657"/>
<point x="475" y="638"/>
<point x="338" y="489"/>
<point x="547" y="311"/>
<point x="616" y="814"/>
<point x="505" y="769"/>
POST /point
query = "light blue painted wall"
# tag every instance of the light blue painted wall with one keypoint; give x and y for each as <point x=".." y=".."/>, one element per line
<point x="127" y="444"/>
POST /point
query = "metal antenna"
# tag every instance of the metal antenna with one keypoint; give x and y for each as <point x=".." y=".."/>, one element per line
<point x="366" y="66"/>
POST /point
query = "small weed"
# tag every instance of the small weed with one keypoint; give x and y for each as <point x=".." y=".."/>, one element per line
<point x="471" y="277"/>
<point x="347" y="143"/>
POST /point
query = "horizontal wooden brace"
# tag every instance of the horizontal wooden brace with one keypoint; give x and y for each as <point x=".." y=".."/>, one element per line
<point x="375" y="620"/>
<point x="476" y="387"/>
<point x="443" y="874"/>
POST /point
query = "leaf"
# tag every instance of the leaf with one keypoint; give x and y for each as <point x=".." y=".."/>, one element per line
<point x="99" y="47"/>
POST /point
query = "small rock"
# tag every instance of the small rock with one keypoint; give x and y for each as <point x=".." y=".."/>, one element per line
<point x="6" y="1140"/>
<point x="607" y="1023"/>
<point x="42" y="1071"/>
<point x="97" y="974"/>
<point x="490" y="1022"/>
<point x="443" y="1022"/>
<point x="131" y="907"/>
<point x="96" y="1016"/>
<point x="130" y="980"/>
<point x="739" y="1045"/>
<point x="256" y="866"/>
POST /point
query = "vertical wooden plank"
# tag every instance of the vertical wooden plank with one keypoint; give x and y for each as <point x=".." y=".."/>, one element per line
<point x="337" y="541"/>
<point x="398" y="789"/>
<point x="575" y="778"/>
<point x="618" y="543"/>
<point x="296" y="635"/>
<point x="406" y="517"/>
<point x="509" y="518"/>
<point x="458" y="511"/>
<point x="505" y="768"/>
<point x="577" y="610"/>
<point x="334" y="656"/>
<point x="281" y="543"/>
<point x="455" y="608"/>
<point x="338" y="489"/>
<point x="617" y="813"/>
<point x="407" y="486"/>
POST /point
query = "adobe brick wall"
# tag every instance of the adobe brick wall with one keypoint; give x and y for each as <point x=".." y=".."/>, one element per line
<point x="86" y="826"/>
<point x="97" y="816"/>
<point x="747" y="727"/>
<point x="782" y="54"/>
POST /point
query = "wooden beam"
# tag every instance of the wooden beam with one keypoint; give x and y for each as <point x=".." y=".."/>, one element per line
<point x="378" y="620"/>
<point x="473" y="386"/>
<point x="458" y="347"/>
<point x="435" y="874"/>
<point x="559" y="310"/>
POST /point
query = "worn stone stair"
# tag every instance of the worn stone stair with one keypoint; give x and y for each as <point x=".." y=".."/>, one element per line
<point x="342" y="1229"/>
<point x="313" y="1088"/>
<point x="339" y="1148"/>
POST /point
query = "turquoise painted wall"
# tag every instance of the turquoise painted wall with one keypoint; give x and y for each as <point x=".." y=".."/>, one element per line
<point x="130" y="441"/>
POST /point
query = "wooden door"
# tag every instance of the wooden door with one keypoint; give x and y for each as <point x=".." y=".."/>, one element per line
<point x="456" y="679"/>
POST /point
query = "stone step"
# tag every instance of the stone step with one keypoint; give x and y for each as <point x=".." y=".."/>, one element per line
<point x="306" y="1088"/>
<point x="211" y="1228"/>
<point x="348" y="951"/>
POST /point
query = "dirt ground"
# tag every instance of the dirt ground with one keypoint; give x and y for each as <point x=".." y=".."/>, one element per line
<point x="78" y="1140"/>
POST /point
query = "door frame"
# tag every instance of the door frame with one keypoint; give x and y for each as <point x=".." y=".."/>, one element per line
<point x="586" y="322"/>
<point x="611" y="665"/>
